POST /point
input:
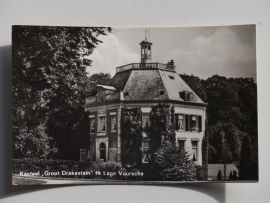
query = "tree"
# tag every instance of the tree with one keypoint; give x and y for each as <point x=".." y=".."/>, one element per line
<point x="96" y="79"/>
<point x="196" y="84"/>
<point x="226" y="154"/>
<point x="32" y="142"/>
<point x="131" y="137"/>
<point x="162" y="127"/>
<point x="171" y="163"/>
<point x="49" y="71"/>
<point x="247" y="168"/>
<point x="219" y="176"/>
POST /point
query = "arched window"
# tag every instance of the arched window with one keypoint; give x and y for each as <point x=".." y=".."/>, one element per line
<point x="102" y="151"/>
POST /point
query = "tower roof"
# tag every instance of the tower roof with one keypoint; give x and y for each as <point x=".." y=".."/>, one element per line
<point x="145" y="42"/>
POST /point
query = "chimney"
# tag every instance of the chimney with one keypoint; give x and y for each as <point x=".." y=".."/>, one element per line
<point x="172" y="62"/>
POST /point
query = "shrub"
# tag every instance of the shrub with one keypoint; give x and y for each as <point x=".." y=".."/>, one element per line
<point x="231" y="176"/>
<point x="109" y="167"/>
<point x="234" y="175"/>
<point x="173" y="164"/>
<point x="202" y="172"/>
<point x="219" y="176"/>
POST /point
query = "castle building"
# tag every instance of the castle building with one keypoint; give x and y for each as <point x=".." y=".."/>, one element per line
<point x="144" y="85"/>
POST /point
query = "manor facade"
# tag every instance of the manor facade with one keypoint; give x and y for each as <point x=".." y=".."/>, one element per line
<point x="144" y="85"/>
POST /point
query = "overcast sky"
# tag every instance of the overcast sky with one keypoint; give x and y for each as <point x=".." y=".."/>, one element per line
<point x="202" y="51"/>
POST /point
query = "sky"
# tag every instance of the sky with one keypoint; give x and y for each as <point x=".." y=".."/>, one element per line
<point x="202" y="51"/>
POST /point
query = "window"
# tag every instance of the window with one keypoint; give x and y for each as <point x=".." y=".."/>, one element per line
<point x="145" y="149"/>
<point x="113" y="144"/>
<point x="180" y="122"/>
<point x="102" y="126"/>
<point x="193" y="123"/>
<point x="187" y="96"/>
<point x="161" y="93"/>
<point x="181" y="144"/>
<point x="83" y="154"/>
<point x="92" y="125"/>
<point x="171" y="77"/>
<point x="102" y="152"/>
<point x="113" y="123"/>
<point x="194" y="150"/>
<point x="92" y="150"/>
<point x="145" y="121"/>
<point x="190" y="96"/>
<point x="126" y="94"/>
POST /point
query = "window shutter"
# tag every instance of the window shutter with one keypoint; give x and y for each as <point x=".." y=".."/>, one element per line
<point x="176" y="122"/>
<point x="187" y="122"/>
<point x="200" y="123"/>
<point x="190" y="120"/>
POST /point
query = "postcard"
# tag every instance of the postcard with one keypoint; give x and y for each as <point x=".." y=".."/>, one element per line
<point x="134" y="105"/>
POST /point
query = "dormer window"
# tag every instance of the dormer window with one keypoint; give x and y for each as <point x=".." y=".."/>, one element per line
<point x="161" y="93"/>
<point x="187" y="96"/>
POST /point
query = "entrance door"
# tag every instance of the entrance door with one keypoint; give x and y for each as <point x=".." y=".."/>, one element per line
<point x="102" y="151"/>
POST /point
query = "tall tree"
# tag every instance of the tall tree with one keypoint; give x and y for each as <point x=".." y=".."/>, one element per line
<point x="162" y="127"/>
<point x="247" y="168"/>
<point x="131" y="137"/>
<point x="49" y="71"/>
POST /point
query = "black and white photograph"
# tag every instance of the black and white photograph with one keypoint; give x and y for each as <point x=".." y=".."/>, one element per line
<point x="134" y="105"/>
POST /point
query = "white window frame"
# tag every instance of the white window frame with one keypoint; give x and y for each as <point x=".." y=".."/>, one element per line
<point x="183" y="123"/>
<point x="196" y="123"/>
<point x="144" y="149"/>
<point x="92" y="127"/>
<point x="182" y="140"/>
<point x="100" y="123"/>
<point x="115" y="124"/>
<point x="194" y="148"/>
<point x="92" y="150"/>
<point x="145" y="118"/>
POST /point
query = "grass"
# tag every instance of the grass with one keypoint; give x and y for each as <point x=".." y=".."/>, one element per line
<point x="26" y="181"/>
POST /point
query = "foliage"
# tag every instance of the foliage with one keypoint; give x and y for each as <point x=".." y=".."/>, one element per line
<point x="169" y="162"/>
<point x="131" y="136"/>
<point x="195" y="84"/>
<point x="96" y="79"/>
<point x="202" y="172"/>
<point x="173" y="164"/>
<point x="231" y="176"/>
<point x="32" y="142"/>
<point x="49" y="74"/>
<point x="219" y="176"/>
<point x="70" y="129"/>
<point x="247" y="168"/>
<point x="162" y="128"/>
<point x="234" y="175"/>
<point x="232" y="107"/>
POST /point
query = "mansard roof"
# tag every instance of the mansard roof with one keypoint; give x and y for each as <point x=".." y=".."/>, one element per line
<point x="151" y="84"/>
